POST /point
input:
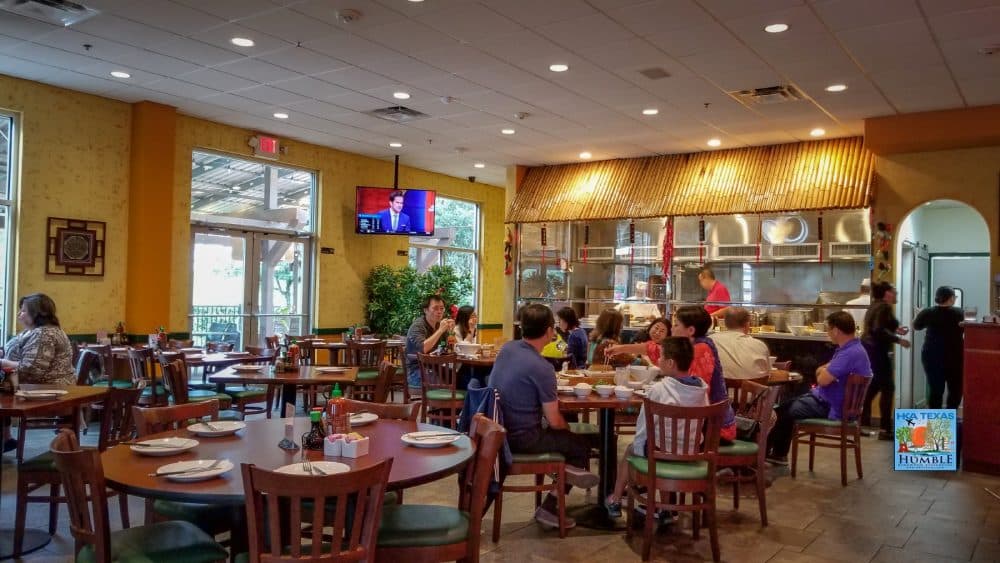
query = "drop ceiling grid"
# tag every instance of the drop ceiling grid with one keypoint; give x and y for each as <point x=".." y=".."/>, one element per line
<point x="500" y="50"/>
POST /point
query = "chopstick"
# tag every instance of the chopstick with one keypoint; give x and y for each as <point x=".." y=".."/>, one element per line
<point x="438" y="435"/>
<point x="148" y="445"/>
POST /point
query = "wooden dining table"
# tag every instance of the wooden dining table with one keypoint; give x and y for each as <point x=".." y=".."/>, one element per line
<point x="11" y="405"/>
<point x="290" y="381"/>
<point x="596" y="516"/>
<point x="336" y="349"/>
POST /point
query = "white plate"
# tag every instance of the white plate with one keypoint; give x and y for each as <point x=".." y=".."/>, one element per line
<point x="328" y="467"/>
<point x="222" y="428"/>
<point x="639" y="392"/>
<point x="412" y="439"/>
<point x="165" y="446"/>
<point x="41" y="394"/>
<point x="192" y="350"/>
<point x="363" y="418"/>
<point x="223" y="467"/>
<point x="236" y="354"/>
<point x="570" y="375"/>
<point x="247" y="367"/>
<point x="565" y="389"/>
<point x="331" y="370"/>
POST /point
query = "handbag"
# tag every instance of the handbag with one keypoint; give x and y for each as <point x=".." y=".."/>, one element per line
<point x="747" y="428"/>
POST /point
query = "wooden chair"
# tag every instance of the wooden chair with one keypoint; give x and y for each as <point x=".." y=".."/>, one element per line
<point x="395" y="411"/>
<point x="785" y="366"/>
<point x="679" y="462"/>
<point x="442" y="401"/>
<point x="142" y="363"/>
<point x="541" y="466"/>
<point x="843" y="434"/>
<point x="216" y="347"/>
<point x="107" y="359"/>
<point x="246" y="399"/>
<point x="412" y="532"/>
<point x="271" y="342"/>
<point x="88" y="367"/>
<point x="276" y="533"/>
<point x="395" y="356"/>
<point x="83" y="478"/>
<point x="734" y="388"/>
<point x="39" y="471"/>
<point x="178" y="344"/>
<point x="150" y="420"/>
<point x="374" y="389"/>
<point x="746" y="459"/>
<point x="175" y="380"/>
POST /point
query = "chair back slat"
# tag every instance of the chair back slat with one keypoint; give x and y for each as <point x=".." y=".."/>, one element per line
<point x="214" y="347"/>
<point x="854" y="397"/>
<point x="88" y="363"/>
<point x="117" y="422"/>
<point x="177" y="344"/>
<point x="107" y="359"/>
<point x="86" y="494"/>
<point x="734" y="387"/>
<point x="394" y="411"/>
<point x="487" y="438"/>
<point x="160" y="419"/>
<point x="141" y="361"/>
<point x="365" y="355"/>
<point x="271" y="342"/>
<point x="438" y="372"/>
<point x="275" y="500"/>
<point x="693" y="431"/>
<point x="175" y="378"/>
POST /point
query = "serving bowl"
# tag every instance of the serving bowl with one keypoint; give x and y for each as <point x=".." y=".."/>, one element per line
<point x="799" y="330"/>
<point x="623" y="392"/>
<point x="605" y="390"/>
<point x="468" y="348"/>
<point x="562" y="381"/>
<point x="582" y="389"/>
<point x="821" y="327"/>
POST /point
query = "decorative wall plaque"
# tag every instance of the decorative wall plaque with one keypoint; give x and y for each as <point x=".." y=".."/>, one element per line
<point x="75" y="247"/>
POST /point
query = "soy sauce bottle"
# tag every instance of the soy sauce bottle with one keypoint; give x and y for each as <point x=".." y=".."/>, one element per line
<point x="313" y="440"/>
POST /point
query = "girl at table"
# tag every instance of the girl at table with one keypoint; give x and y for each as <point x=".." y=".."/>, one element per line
<point x="649" y="348"/>
<point x="41" y="353"/>
<point x="694" y="322"/>
<point x="569" y="329"/>
<point x="607" y="332"/>
<point x="465" y="324"/>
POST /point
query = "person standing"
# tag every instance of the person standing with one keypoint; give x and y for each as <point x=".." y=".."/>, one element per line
<point x="424" y="335"/>
<point x="943" y="348"/>
<point x="881" y="332"/>
<point x="858" y="306"/>
<point x="530" y="406"/>
<point x="393" y="220"/>
<point x="717" y="292"/>
<point x="826" y="399"/>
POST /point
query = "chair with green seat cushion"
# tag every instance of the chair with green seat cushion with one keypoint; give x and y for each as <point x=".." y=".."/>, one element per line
<point x="367" y="356"/>
<point x="844" y="434"/>
<point x="438" y="379"/>
<point x="355" y="502"/>
<point x="117" y="384"/>
<point x="541" y="465"/>
<point x="167" y="542"/>
<point x="245" y="399"/>
<point x="682" y="447"/>
<point x="211" y="519"/>
<point x="411" y="532"/>
<point x="745" y="458"/>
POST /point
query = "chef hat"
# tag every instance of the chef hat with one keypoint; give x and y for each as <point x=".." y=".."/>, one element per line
<point x="867" y="282"/>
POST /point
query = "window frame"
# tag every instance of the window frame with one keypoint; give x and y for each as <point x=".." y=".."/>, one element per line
<point x="8" y="313"/>
<point x="474" y="252"/>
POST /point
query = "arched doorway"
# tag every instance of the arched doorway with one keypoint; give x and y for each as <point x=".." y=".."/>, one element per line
<point x="941" y="242"/>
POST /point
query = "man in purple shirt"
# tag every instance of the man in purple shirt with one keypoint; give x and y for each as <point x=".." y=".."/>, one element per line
<point x="824" y="400"/>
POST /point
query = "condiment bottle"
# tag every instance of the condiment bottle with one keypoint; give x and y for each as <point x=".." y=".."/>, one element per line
<point x="293" y="354"/>
<point x="340" y="418"/>
<point x="313" y="440"/>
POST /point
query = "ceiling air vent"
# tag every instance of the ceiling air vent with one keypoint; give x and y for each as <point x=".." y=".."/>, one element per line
<point x="654" y="73"/>
<point x="58" y="12"/>
<point x="767" y="96"/>
<point x="398" y="114"/>
<point x="739" y="252"/>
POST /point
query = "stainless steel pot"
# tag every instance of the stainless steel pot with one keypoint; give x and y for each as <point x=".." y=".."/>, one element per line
<point x="798" y="317"/>
<point x="779" y="319"/>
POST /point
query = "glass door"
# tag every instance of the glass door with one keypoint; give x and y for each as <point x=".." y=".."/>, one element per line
<point x="247" y="285"/>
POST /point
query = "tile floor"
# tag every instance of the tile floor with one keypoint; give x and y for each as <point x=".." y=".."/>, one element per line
<point x="886" y="517"/>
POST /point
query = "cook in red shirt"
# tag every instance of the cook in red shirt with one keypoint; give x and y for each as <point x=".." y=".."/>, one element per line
<point x="716" y="292"/>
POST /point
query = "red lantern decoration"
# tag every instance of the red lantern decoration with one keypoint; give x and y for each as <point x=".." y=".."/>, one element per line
<point x="668" y="248"/>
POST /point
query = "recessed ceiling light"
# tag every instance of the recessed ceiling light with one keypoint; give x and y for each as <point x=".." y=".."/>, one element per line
<point x="776" y="27"/>
<point x="479" y="165"/>
<point x="401" y="95"/>
<point x="507" y="131"/>
<point x="836" y="88"/>
<point x="585" y="155"/>
<point x="242" y="42"/>
<point x="818" y="132"/>
<point x="281" y="115"/>
<point x="559" y="67"/>
<point x="650" y="111"/>
<point x="120" y="74"/>
<point x="395" y="144"/>
<point x="714" y="142"/>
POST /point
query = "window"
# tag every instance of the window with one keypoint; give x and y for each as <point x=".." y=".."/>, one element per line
<point x="8" y="177"/>
<point x="455" y="242"/>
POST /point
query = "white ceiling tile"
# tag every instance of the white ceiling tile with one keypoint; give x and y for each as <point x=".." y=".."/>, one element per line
<point x="13" y="25"/>
<point x="407" y="36"/>
<point x="850" y="14"/>
<point x="258" y="71"/>
<point x="727" y="9"/>
<point x="583" y="32"/>
<point x="966" y="62"/>
<point x="231" y="10"/>
<point x="533" y="12"/>
<point x="221" y="36"/>
<point x="801" y="22"/>
<point x="401" y="68"/>
<point x="981" y="91"/>
<point x="648" y="18"/>
<point x="232" y="101"/>
<point x="962" y="25"/>
<point x="477" y="119"/>
<point x="271" y="95"/>
<point x="303" y="60"/>
<point x="167" y="15"/>
<point x="195" y="52"/>
<point x="82" y="82"/>
<point x="8" y="42"/>
<point x="385" y="93"/>
<point x="73" y="41"/>
<point x="350" y="48"/>
<point x="353" y="78"/>
<point x="936" y="7"/>
<point x="692" y="40"/>
<point x="470" y="22"/>
<point x="49" y="56"/>
<point x="888" y="46"/>
<point x="311" y="88"/>
<point x="359" y="102"/>
<point x="318" y="108"/>
<point x="501" y="76"/>
<point x="216" y="80"/>
<point x="925" y="98"/>
<point x="456" y="58"/>
<point x="372" y="13"/>
<point x="288" y="25"/>
<point x="180" y="88"/>
<point x="123" y="30"/>
<point x="520" y="46"/>
<point x="442" y="83"/>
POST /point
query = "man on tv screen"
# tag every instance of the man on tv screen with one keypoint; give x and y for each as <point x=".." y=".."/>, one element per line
<point x="393" y="220"/>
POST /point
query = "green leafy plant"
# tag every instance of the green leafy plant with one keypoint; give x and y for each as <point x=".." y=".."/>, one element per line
<point x="394" y="294"/>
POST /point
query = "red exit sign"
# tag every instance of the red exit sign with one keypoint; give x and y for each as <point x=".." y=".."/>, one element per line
<point x="266" y="147"/>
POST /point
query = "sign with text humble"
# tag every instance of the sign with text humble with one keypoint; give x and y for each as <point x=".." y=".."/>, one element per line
<point x="926" y="440"/>
<point x="265" y="146"/>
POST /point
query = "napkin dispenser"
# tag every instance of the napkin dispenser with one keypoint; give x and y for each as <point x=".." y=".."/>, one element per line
<point x="346" y="445"/>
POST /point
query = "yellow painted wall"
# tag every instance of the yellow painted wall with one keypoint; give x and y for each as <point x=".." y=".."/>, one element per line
<point x="905" y="181"/>
<point x="74" y="163"/>
<point x="340" y="277"/>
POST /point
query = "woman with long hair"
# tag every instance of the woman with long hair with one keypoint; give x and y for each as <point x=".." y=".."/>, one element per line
<point x="575" y="337"/>
<point x="694" y="322"/>
<point x="648" y="345"/>
<point x="606" y="333"/>
<point x="942" y="351"/>
<point x="465" y="324"/>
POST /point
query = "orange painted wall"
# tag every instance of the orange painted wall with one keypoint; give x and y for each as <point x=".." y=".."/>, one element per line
<point x="933" y="130"/>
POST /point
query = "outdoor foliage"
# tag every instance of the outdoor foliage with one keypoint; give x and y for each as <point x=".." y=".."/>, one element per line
<point x="939" y="434"/>
<point x="394" y="294"/>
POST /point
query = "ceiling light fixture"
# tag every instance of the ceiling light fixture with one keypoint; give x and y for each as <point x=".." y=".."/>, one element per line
<point x="714" y="142"/>
<point x="836" y="88"/>
<point x="559" y="67"/>
<point x="281" y="115"/>
<point x="395" y="144"/>
<point x="650" y="111"/>
<point x="776" y="27"/>
<point x="479" y="165"/>
<point x="585" y="155"/>
<point x="401" y="95"/>
<point x="818" y="132"/>
<point x="507" y="131"/>
<point x="120" y="74"/>
<point x="242" y="42"/>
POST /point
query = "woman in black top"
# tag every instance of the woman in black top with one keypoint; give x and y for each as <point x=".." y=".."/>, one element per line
<point x="882" y="332"/>
<point x="942" y="351"/>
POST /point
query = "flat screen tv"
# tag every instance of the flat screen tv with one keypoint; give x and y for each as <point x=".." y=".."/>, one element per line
<point x="392" y="211"/>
